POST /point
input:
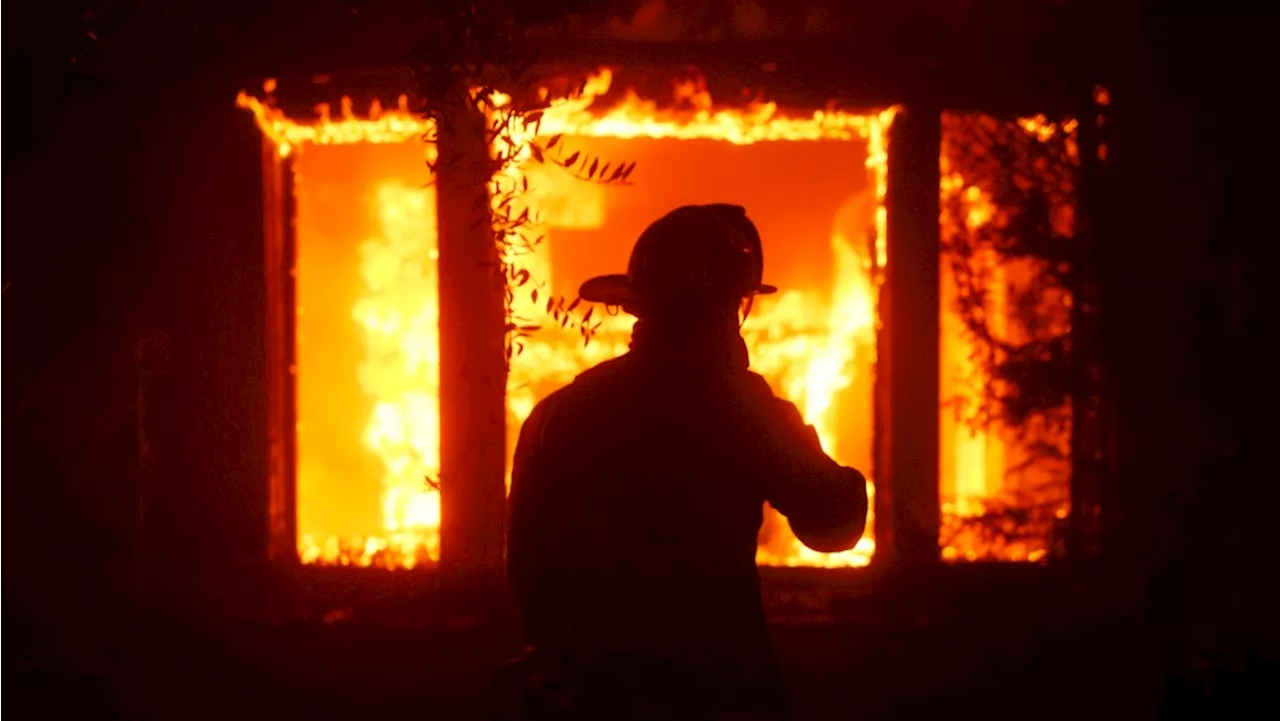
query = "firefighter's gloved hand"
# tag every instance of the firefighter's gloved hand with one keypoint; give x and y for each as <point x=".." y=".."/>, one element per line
<point x="825" y="503"/>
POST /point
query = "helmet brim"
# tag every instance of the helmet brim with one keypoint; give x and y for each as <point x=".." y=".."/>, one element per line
<point x="612" y="289"/>
<point x="616" y="290"/>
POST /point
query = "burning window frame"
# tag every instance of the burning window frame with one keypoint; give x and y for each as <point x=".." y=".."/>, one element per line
<point x="908" y="510"/>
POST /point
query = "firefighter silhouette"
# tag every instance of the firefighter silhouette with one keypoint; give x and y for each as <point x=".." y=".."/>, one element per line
<point x="637" y="494"/>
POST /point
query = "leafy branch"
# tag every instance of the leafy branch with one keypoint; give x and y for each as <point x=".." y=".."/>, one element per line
<point x="473" y="64"/>
<point x="1023" y="375"/>
<point x="583" y="167"/>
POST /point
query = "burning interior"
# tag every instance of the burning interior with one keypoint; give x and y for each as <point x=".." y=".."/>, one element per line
<point x="365" y="343"/>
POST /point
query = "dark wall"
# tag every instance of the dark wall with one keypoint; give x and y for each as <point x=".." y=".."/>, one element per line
<point x="133" y="414"/>
<point x="133" y="227"/>
<point x="137" y="230"/>
<point x="1186" y="209"/>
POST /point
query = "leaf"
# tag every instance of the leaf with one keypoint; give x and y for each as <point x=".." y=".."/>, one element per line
<point x="534" y="295"/>
<point x="574" y="304"/>
<point x="573" y="158"/>
<point x="627" y="172"/>
<point x="521" y="277"/>
<point x="535" y="151"/>
<point x="587" y="318"/>
<point x="519" y="348"/>
<point x="530" y="328"/>
<point x="533" y="118"/>
<point x="617" y="173"/>
<point x="595" y="165"/>
<point x="509" y="327"/>
<point x="524" y="183"/>
<point x="554" y="139"/>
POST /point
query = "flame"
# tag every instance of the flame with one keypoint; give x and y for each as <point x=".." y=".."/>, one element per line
<point x="397" y="126"/>
<point x="400" y="316"/>
<point x="809" y="344"/>
<point x="976" y="462"/>
<point x="805" y="344"/>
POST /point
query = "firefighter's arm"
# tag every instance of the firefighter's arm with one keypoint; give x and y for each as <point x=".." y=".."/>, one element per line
<point x="824" y="502"/>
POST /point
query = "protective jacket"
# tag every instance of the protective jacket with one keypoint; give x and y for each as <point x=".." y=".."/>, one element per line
<point x="636" y="500"/>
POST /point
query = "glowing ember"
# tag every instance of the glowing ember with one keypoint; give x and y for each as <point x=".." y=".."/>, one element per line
<point x="811" y="344"/>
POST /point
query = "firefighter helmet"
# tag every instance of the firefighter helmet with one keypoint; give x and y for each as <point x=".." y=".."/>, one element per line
<point x="695" y="252"/>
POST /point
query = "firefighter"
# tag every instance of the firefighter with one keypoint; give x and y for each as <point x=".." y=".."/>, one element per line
<point x="637" y="495"/>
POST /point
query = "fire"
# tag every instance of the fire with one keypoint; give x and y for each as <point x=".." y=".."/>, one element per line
<point x="811" y="344"/>
<point x="400" y="316"/>
<point x="806" y="344"/>
<point x="987" y="471"/>
<point x="396" y="126"/>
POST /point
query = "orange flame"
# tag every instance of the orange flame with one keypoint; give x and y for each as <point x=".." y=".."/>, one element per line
<point x="805" y="344"/>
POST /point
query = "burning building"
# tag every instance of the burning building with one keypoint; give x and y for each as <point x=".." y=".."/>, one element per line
<point x="877" y="345"/>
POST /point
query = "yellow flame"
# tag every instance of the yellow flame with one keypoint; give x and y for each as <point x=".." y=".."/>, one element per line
<point x="400" y="316"/>
<point x="805" y="344"/>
